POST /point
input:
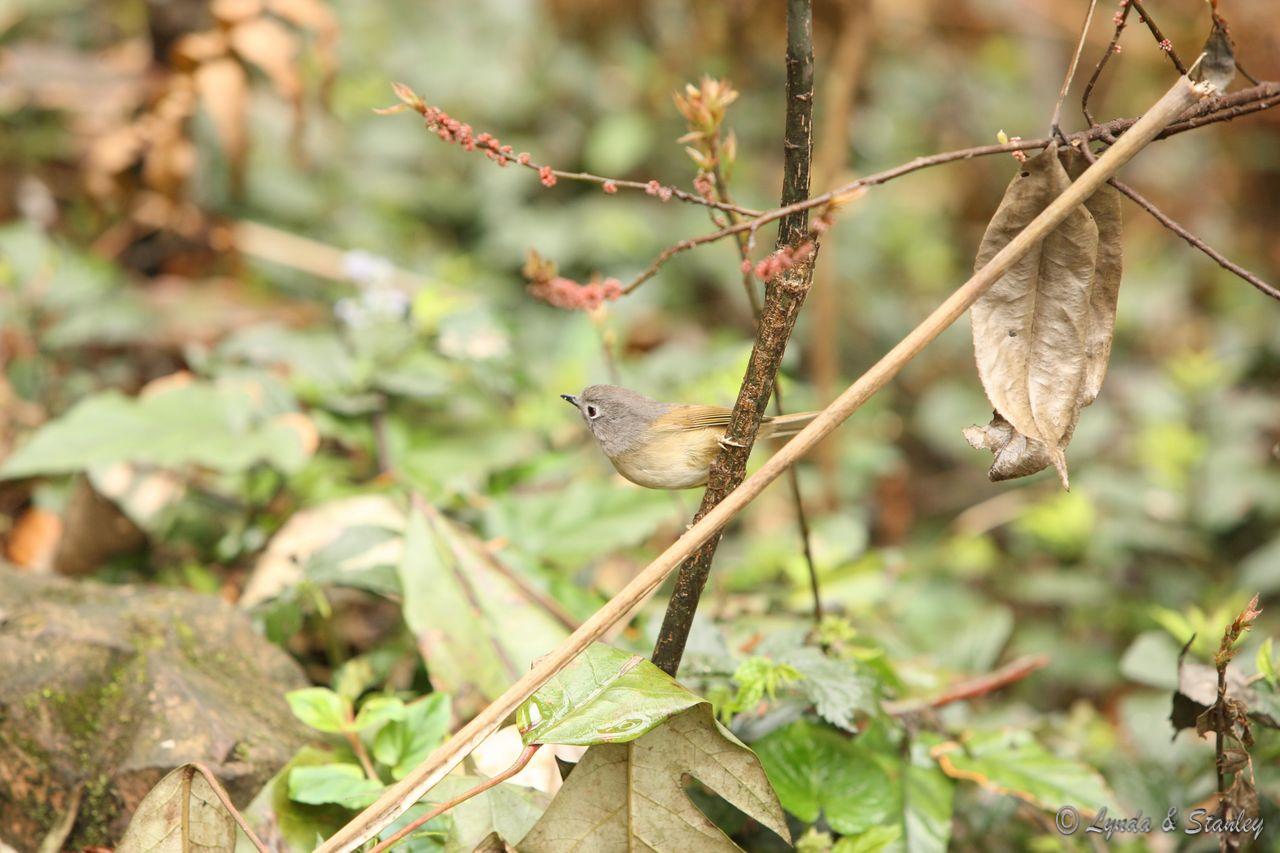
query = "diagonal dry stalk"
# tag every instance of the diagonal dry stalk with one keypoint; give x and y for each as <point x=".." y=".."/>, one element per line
<point x="398" y="798"/>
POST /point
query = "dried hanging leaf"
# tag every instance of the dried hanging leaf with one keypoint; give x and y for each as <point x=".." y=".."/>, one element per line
<point x="1042" y="334"/>
<point x="1216" y="65"/>
<point x="1016" y="455"/>
<point x="631" y="796"/>
<point x="1104" y="205"/>
<point x="181" y="813"/>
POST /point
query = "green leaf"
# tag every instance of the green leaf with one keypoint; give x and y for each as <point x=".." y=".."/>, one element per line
<point x="874" y="840"/>
<point x="816" y="771"/>
<point x="573" y="525"/>
<point x="320" y="708"/>
<point x="341" y="784"/>
<point x="403" y="744"/>
<point x="865" y="787"/>
<point x="604" y="696"/>
<point x="221" y="427"/>
<point x="632" y="795"/>
<point x="835" y="687"/>
<point x="1266" y="663"/>
<point x="1152" y="659"/>
<point x="378" y="711"/>
<point x="477" y="628"/>
<point x="1012" y="762"/>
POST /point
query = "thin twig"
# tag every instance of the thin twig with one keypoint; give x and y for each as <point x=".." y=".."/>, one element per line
<point x="225" y="799"/>
<point x="362" y="755"/>
<point x="1165" y="220"/>
<point x="1121" y="21"/>
<point x="1223" y="108"/>
<point x="491" y="782"/>
<point x="973" y="687"/>
<point x="403" y="794"/>
<point x="1055" y="123"/>
<point x="1164" y="43"/>
<point x="1222" y="261"/>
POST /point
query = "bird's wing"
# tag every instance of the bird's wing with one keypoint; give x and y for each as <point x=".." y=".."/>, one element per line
<point x="694" y="417"/>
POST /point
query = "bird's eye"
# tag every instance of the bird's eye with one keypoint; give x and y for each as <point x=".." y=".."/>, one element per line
<point x="592" y="411"/>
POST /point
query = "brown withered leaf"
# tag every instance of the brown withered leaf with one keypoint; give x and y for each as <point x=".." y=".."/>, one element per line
<point x="1104" y="205"/>
<point x="1016" y="455"/>
<point x="223" y="87"/>
<point x="181" y="813"/>
<point x="1042" y="334"/>
<point x="270" y="46"/>
<point x="632" y="796"/>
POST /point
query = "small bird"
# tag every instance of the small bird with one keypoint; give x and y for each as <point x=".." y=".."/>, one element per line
<point x="663" y="445"/>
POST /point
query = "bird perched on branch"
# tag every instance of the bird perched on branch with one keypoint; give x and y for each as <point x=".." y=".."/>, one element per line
<point x="664" y="445"/>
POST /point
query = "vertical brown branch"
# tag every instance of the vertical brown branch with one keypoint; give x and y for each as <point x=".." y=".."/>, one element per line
<point x="784" y="295"/>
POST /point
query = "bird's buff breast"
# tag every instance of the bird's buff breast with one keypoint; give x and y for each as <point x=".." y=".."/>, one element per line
<point x="677" y="460"/>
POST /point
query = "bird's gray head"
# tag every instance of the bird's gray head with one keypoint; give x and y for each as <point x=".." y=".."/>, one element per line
<point x="617" y="417"/>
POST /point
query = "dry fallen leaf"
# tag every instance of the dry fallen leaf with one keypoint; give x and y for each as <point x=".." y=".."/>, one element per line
<point x="632" y="796"/>
<point x="180" y="814"/>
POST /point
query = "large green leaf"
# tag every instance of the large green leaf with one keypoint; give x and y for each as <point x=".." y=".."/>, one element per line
<point x="631" y="796"/>
<point x="219" y="426"/>
<point x="604" y="696"/>
<point x="817" y="770"/>
<point x="339" y="784"/>
<point x="478" y="630"/>
<point x="1012" y="762"/>
<point x="861" y="785"/>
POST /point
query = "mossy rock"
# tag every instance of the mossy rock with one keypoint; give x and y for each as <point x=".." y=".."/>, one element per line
<point x="104" y="689"/>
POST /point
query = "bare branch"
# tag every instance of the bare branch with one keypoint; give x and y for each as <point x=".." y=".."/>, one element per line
<point x="972" y="688"/>
<point x="1055" y="123"/>
<point x="1164" y="219"/>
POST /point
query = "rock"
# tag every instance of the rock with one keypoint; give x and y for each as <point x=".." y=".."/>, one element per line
<point x="105" y="689"/>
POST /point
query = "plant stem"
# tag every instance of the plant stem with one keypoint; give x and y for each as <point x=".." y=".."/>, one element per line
<point x="784" y="296"/>
<point x="491" y="782"/>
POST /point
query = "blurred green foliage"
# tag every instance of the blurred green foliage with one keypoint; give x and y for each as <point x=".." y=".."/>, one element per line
<point x="444" y="381"/>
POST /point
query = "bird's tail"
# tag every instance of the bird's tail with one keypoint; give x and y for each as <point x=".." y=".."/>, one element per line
<point x="781" y="426"/>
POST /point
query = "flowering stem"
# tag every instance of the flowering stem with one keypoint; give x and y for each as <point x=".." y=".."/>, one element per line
<point x="449" y="129"/>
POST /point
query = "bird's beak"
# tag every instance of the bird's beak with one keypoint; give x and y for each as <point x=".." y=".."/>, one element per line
<point x="569" y="398"/>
